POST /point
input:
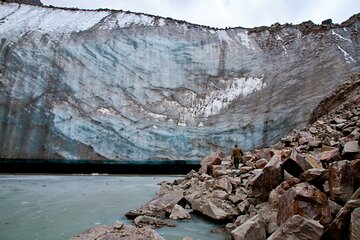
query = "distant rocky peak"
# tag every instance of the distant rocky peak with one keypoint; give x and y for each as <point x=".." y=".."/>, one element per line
<point x="28" y="2"/>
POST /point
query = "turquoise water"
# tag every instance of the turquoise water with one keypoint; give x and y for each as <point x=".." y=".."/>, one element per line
<point x="49" y="207"/>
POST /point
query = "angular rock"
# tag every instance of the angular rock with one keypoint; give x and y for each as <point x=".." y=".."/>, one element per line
<point x="306" y="136"/>
<point x="298" y="228"/>
<point x="313" y="161"/>
<point x="313" y="130"/>
<point x="263" y="153"/>
<point x="355" y="172"/>
<point x="271" y="222"/>
<point x="339" y="227"/>
<point x="243" y="206"/>
<point x="303" y="141"/>
<point x="158" y="206"/>
<point x="252" y="229"/>
<point x="315" y="144"/>
<point x="267" y="179"/>
<point x="261" y="163"/>
<point x="353" y="136"/>
<point x="351" y="149"/>
<point x="277" y="193"/>
<point x="179" y="213"/>
<point x="220" y="194"/>
<point x="223" y="184"/>
<point x="241" y="219"/>
<point x="305" y="200"/>
<point x="235" y="199"/>
<point x="334" y="208"/>
<point x="329" y="154"/>
<point x="312" y="174"/>
<point x="213" y="159"/>
<point x="296" y="164"/>
<point x="217" y="210"/>
<point x="142" y="221"/>
<point x="117" y="232"/>
<point x="355" y="224"/>
<point x="340" y="181"/>
<point x="245" y="169"/>
<point x="217" y="171"/>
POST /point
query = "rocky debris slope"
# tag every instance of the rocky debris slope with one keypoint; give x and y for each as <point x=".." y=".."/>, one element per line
<point x="117" y="85"/>
<point x="307" y="186"/>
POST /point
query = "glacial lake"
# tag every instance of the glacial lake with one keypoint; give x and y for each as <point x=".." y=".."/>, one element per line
<point x="57" y="207"/>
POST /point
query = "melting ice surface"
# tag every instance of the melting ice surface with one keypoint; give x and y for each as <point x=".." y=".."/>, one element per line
<point x="59" y="207"/>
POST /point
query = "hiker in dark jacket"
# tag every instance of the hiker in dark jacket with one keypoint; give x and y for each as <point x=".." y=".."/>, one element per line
<point x="236" y="154"/>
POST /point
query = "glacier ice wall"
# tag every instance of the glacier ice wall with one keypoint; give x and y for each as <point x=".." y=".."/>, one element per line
<point x="116" y="85"/>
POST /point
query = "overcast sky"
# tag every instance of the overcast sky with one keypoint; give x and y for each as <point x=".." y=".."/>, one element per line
<point x="229" y="13"/>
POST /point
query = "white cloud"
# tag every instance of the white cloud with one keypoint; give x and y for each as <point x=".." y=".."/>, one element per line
<point x="230" y="13"/>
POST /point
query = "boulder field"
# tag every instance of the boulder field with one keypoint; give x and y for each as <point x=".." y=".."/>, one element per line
<point x="304" y="187"/>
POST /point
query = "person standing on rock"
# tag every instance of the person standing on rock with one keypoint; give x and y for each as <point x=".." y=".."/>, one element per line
<point x="236" y="154"/>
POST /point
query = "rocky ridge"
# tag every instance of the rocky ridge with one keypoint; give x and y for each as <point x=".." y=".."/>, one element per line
<point x="306" y="186"/>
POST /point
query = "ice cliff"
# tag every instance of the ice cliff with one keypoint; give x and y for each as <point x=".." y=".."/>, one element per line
<point x="78" y="84"/>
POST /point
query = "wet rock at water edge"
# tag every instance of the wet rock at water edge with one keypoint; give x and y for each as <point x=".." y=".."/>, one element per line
<point x="142" y="221"/>
<point x="159" y="206"/>
<point x="118" y="231"/>
<point x="179" y="213"/>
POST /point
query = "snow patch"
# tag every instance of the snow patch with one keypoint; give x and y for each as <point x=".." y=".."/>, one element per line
<point x="45" y="20"/>
<point x="224" y="36"/>
<point x="25" y="19"/>
<point x="220" y="99"/>
<point x="212" y="31"/>
<point x="130" y="19"/>
<point x="182" y="123"/>
<point x="245" y="40"/>
<point x="347" y="56"/>
<point x="341" y="37"/>
<point x="106" y="111"/>
<point x="158" y="117"/>
<point x="286" y="53"/>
